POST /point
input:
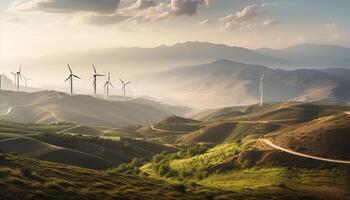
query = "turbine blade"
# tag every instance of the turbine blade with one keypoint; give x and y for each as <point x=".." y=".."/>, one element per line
<point x="70" y="69"/>
<point x="111" y="84"/>
<point x="76" y="76"/>
<point x="122" y="81"/>
<point x="127" y="83"/>
<point x="94" y="69"/>
<point x="68" y="78"/>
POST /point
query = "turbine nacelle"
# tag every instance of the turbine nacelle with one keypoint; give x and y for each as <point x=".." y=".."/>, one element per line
<point x="71" y="78"/>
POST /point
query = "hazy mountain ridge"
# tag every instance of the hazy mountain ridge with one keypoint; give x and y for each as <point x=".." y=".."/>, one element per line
<point x="313" y="55"/>
<point x="135" y="60"/>
<point x="226" y="83"/>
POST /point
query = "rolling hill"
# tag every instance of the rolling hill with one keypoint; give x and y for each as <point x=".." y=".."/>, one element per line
<point x="32" y="179"/>
<point x="326" y="137"/>
<point x="226" y="83"/>
<point x="52" y="107"/>
<point x="236" y="123"/>
<point x="84" y="146"/>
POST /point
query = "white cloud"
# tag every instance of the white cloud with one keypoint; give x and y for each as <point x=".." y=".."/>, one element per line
<point x="143" y="4"/>
<point x="108" y="12"/>
<point x="204" y="22"/>
<point x="102" y="20"/>
<point x="164" y="11"/>
<point x="271" y="23"/>
<point x="249" y="17"/>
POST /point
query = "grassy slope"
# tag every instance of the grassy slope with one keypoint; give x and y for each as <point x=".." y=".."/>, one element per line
<point x="32" y="179"/>
<point x="234" y="123"/>
<point x="287" y="111"/>
<point x="84" y="151"/>
<point x="326" y="136"/>
<point x="55" y="181"/>
<point x="333" y="181"/>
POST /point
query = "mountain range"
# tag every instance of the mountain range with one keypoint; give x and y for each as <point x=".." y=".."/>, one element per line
<point x="226" y="83"/>
<point x="312" y="55"/>
<point x="123" y="62"/>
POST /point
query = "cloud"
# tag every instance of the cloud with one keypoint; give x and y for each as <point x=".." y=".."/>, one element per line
<point x="204" y="22"/>
<point x="271" y="23"/>
<point x="186" y="7"/>
<point x="102" y="20"/>
<point x="249" y="17"/>
<point x="67" y="6"/>
<point x="165" y="11"/>
<point x="143" y="4"/>
<point x="108" y="12"/>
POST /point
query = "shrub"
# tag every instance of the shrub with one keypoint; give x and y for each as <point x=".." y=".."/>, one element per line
<point x="281" y="185"/>
<point x="163" y="170"/>
<point x="179" y="187"/>
<point x="26" y="171"/>
<point x="247" y="164"/>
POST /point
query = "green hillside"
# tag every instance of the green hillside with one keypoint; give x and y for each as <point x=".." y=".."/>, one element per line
<point x="56" y="143"/>
<point x="32" y="179"/>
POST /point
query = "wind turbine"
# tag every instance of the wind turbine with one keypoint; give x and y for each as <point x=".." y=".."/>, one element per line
<point x="18" y="75"/>
<point x="1" y="75"/>
<point x="25" y="81"/>
<point x="107" y="84"/>
<point x="261" y="88"/>
<point x="71" y="77"/>
<point x="95" y="80"/>
<point x="124" y="86"/>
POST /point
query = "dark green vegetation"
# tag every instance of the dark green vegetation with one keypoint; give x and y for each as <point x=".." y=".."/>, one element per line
<point x="24" y="179"/>
<point x="180" y="124"/>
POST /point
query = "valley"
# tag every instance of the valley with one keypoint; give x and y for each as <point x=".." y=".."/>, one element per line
<point x="234" y="152"/>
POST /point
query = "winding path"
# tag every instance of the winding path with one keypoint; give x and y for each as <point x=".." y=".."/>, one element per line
<point x="166" y="131"/>
<point x="7" y="112"/>
<point x="269" y="143"/>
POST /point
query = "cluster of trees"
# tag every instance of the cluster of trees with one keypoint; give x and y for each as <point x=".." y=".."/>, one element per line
<point x="161" y="163"/>
<point x="129" y="168"/>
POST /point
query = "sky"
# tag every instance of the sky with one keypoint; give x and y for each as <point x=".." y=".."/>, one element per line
<point x="34" y="28"/>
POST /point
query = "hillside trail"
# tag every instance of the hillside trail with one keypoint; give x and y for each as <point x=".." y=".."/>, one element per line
<point x="269" y="143"/>
<point x="7" y="112"/>
<point x="167" y="131"/>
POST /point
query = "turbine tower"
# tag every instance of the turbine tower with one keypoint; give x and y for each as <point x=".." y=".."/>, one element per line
<point x="18" y="76"/>
<point x="70" y="78"/>
<point x="1" y="75"/>
<point x="261" y="88"/>
<point x="95" y="80"/>
<point x="124" y="87"/>
<point x="107" y="84"/>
